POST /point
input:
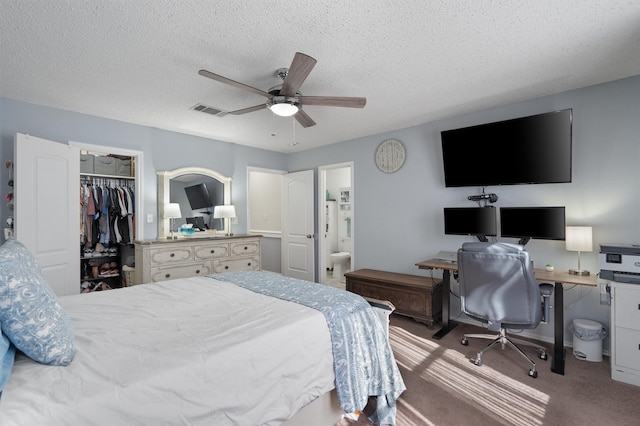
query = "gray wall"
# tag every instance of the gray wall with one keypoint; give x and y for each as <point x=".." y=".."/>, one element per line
<point x="163" y="150"/>
<point x="604" y="192"/>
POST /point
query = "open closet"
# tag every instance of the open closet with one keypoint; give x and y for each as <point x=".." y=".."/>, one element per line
<point x="107" y="220"/>
<point x="49" y="198"/>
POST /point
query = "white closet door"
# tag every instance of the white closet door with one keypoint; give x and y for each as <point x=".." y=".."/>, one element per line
<point x="47" y="208"/>
<point x="298" y="238"/>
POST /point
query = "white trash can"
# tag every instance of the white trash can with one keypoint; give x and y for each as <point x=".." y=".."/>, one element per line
<point x="383" y="308"/>
<point x="587" y="339"/>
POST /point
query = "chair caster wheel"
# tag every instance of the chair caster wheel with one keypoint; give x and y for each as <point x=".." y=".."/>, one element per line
<point x="465" y="341"/>
<point x="544" y="356"/>
<point x="533" y="373"/>
<point x="476" y="361"/>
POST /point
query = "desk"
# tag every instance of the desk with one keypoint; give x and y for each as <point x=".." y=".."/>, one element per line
<point x="557" y="277"/>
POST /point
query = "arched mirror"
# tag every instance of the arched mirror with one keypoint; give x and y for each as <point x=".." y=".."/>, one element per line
<point x="197" y="190"/>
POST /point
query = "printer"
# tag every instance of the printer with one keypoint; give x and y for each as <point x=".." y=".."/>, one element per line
<point x="620" y="263"/>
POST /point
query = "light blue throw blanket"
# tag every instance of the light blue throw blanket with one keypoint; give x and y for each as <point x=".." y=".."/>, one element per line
<point x="363" y="361"/>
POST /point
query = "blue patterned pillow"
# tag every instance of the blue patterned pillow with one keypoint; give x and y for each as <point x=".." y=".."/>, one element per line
<point x="30" y="314"/>
<point x="7" y="357"/>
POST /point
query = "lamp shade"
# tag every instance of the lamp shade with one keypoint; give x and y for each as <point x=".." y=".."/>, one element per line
<point x="220" y="212"/>
<point x="172" y="211"/>
<point x="579" y="238"/>
<point x="284" y="109"/>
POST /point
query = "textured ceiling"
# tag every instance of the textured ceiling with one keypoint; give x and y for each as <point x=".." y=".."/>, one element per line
<point x="414" y="60"/>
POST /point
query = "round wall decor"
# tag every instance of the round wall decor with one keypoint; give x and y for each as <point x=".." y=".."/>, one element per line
<point x="390" y="155"/>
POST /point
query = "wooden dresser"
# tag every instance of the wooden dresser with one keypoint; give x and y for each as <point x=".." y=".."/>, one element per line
<point x="414" y="296"/>
<point x="161" y="260"/>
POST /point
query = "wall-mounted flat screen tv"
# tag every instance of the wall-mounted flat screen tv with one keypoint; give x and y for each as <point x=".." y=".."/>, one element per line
<point x="544" y="223"/>
<point x="478" y="221"/>
<point x="533" y="149"/>
<point x="198" y="196"/>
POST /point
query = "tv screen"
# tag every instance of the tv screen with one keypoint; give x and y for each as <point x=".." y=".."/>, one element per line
<point x="477" y="221"/>
<point x="545" y="223"/>
<point x="533" y="149"/>
<point x="198" y="196"/>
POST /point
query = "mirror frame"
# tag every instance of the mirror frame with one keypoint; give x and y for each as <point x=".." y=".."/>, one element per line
<point x="164" y="191"/>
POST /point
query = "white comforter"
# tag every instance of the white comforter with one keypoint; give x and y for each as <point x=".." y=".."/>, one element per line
<point x="192" y="351"/>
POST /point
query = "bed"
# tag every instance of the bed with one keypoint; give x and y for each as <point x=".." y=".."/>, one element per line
<point x="243" y="348"/>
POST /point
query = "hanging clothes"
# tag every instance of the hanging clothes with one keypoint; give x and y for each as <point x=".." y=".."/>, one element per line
<point x="107" y="211"/>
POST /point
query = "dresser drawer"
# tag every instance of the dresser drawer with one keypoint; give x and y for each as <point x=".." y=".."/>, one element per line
<point x="181" y="271"/>
<point x="160" y="260"/>
<point x="242" y="248"/>
<point x="170" y="255"/>
<point x="249" y="263"/>
<point x="212" y="251"/>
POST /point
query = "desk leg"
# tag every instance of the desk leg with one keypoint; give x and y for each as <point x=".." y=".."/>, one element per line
<point x="557" y="363"/>
<point x="446" y="291"/>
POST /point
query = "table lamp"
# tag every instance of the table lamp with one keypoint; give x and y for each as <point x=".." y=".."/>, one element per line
<point x="579" y="238"/>
<point x="171" y="212"/>
<point x="225" y="212"/>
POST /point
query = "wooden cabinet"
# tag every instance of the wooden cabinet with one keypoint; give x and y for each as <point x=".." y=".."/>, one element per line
<point x="414" y="296"/>
<point x="625" y="333"/>
<point x="161" y="260"/>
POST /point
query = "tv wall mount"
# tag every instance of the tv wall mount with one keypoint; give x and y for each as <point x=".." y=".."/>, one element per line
<point x="492" y="198"/>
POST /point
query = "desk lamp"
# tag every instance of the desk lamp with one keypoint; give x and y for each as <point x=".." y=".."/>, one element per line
<point x="579" y="238"/>
<point x="225" y="212"/>
<point x="171" y="212"/>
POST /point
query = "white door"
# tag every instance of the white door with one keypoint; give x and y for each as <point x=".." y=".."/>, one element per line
<point x="47" y="208"/>
<point x="298" y="238"/>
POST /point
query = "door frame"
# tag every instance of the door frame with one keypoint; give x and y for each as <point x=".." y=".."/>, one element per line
<point x="320" y="214"/>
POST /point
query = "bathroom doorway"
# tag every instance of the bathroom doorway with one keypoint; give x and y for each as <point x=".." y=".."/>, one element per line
<point x="336" y="208"/>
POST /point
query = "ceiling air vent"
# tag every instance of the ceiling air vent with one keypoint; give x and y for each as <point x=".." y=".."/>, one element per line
<point x="208" y="110"/>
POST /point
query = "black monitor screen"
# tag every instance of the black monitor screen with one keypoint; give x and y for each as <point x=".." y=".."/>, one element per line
<point x="198" y="196"/>
<point x="545" y="223"/>
<point x="478" y="221"/>
<point x="197" y="222"/>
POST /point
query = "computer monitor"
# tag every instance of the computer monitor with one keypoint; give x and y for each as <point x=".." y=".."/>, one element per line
<point x="197" y="222"/>
<point x="543" y="223"/>
<point x="477" y="221"/>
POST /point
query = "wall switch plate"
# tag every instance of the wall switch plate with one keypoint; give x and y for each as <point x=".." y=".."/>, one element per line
<point x="234" y="220"/>
<point x="149" y="217"/>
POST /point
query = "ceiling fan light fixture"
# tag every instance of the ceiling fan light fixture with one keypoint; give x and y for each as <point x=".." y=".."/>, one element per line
<point x="283" y="106"/>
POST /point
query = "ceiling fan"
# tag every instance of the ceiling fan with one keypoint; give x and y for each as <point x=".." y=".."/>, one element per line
<point x="285" y="99"/>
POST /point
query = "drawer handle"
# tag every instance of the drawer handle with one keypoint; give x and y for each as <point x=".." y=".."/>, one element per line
<point x="226" y="267"/>
<point x="197" y="271"/>
<point x="172" y="255"/>
<point x="167" y="275"/>
<point x="246" y="248"/>
<point x="249" y="264"/>
<point x="213" y="251"/>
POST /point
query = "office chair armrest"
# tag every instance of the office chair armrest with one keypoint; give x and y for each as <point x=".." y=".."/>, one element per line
<point x="546" y="290"/>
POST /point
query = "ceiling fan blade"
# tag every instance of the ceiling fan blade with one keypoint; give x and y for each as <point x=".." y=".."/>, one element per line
<point x="304" y="119"/>
<point x="230" y="82"/>
<point x="300" y="68"/>
<point x="247" y="110"/>
<point x="335" y="101"/>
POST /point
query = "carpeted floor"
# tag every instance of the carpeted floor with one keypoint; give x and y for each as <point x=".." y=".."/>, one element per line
<point x="445" y="388"/>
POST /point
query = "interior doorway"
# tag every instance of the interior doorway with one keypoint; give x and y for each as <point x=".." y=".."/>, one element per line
<point x="336" y="225"/>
